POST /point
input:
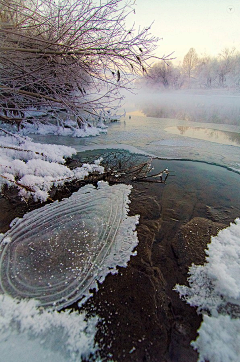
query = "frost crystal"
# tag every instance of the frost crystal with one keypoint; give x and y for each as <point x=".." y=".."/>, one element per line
<point x="58" y="253"/>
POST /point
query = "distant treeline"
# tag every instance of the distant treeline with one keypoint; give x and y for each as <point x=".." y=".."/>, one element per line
<point x="197" y="72"/>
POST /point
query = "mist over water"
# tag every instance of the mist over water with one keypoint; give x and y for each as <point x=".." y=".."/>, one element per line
<point x="175" y="135"/>
<point x="197" y="105"/>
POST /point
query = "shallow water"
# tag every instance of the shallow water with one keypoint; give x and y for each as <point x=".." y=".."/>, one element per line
<point x="150" y="135"/>
<point x="197" y="196"/>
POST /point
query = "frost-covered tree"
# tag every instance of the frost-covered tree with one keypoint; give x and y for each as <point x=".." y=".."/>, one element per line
<point x="234" y="77"/>
<point x="207" y="72"/>
<point x="69" y="54"/>
<point x="160" y="75"/>
<point x="163" y="75"/>
<point x="190" y="62"/>
<point x="226" y="65"/>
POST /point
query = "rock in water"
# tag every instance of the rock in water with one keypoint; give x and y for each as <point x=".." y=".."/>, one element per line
<point x="57" y="253"/>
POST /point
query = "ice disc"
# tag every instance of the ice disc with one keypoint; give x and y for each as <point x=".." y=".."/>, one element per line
<point x="56" y="254"/>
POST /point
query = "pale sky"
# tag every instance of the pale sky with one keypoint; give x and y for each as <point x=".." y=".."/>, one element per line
<point x="206" y="25"/>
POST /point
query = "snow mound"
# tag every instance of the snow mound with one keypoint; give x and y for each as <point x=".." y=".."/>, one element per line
<point x="52" y="129"/>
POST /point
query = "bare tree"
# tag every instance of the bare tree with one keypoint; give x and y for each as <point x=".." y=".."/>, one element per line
<point x="68" y="54"/>
<point x="160" y="75"/>
<point x="207" y="72"/>
<point x="226" y="64"/>
<point x="190" y="62"/>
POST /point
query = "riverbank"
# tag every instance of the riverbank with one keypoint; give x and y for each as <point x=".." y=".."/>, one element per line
<point x="142" y="318"/>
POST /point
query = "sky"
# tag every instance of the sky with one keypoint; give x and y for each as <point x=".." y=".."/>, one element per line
<point x="209" y="26"/>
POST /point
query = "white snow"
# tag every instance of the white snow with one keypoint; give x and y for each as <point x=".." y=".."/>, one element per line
<point x="45" y="129"/>
<point x="35" y="168"/>
<point x="219" y="339"/>
<point x="29" y="333"/>
<point x="214" y="288"/>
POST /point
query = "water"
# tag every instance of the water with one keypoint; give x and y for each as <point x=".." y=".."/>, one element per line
<point x="207" y="134"/>
<point x="152" y="135"/>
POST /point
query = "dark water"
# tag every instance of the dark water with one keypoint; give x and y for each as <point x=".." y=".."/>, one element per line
<point x="215" y="186"/>
<point x="143" y="318"/>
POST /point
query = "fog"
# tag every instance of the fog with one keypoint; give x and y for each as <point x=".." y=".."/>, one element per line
<point x="213" y="106"/>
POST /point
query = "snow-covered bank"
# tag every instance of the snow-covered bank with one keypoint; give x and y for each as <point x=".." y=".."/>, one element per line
<point x="71" y="130"/>
<point x="214" y="289"/>
<point x="35" y="168"/>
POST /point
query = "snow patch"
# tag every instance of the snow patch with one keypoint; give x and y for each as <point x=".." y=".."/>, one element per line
<point x="59" y="252"/>
<point x="35" y="168"/>
<point x="214" y="289"/>
<point x="29" y="333"/>
<point x="51" y="129"/>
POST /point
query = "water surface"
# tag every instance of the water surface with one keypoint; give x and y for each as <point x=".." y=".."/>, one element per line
<point x="150" y="135"/>
<point x="207" y="134"/>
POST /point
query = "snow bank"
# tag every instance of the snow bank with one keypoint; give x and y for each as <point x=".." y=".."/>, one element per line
<point x="29" y="333"/>
<point x="215" y="289"/>
<point x="219" y="339"/>
<point x="35" y="168"/>
<point x="47" y="129"/>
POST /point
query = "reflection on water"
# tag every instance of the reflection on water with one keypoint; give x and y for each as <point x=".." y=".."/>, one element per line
<point x="149" y="135"/>
<point x="207" y="134"/>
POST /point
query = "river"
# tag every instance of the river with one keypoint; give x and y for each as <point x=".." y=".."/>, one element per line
<point x="218" y="144"/>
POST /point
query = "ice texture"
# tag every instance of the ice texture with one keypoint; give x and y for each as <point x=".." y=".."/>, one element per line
<point x="57" y="253"/>
<point x="214" y="288"/>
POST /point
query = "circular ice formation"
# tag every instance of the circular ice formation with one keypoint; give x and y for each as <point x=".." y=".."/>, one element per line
<point x="56" y="254"/>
